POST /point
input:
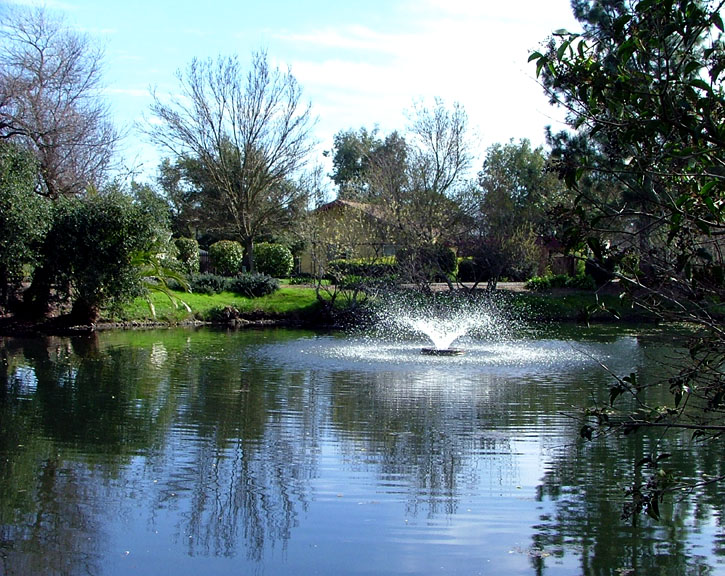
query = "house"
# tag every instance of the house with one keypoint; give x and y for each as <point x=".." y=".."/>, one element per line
<point x="344" y="229"/>
<point x="553" y="258"/>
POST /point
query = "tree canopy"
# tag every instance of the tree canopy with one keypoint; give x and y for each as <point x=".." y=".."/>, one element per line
<point x="643" y="86"/>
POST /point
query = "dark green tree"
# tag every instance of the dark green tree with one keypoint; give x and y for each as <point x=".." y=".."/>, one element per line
<point x="24" y="218"/>
<point x="91" y="251"/>
<point x="509" y="210"/>
<point x="643" y="87"/>
<point x="351" y="163"/>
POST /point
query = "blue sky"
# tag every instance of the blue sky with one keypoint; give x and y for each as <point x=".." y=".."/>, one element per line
<point x="359" y="63"/>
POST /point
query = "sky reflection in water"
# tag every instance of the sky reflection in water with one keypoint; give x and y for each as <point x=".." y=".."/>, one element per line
<point x="275" y="452"/>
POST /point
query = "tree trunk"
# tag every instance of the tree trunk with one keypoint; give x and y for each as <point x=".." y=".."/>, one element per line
<point x="249" y="255"/>
<point x="84" y="313"/>
<point x="36" y="299"/>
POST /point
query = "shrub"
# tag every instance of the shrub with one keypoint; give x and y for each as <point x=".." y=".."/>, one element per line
<point x="252" y="285"/>
<point x="226" y="257"/>
<point x="90" y="249"/>
<point x="273" y="259"/>
<point x="581" y="282"/>
<point x="539" y="283"/>
<point x="188" y="254"/>
<point x="302" y="279"/>
<point x="548" y="282"/>
<point x="207" y="283"/>
<point x="24" y="218"/>
<point x="369" y="268"/>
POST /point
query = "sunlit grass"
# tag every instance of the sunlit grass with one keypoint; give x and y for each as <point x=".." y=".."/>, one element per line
<point x="300" y="301"/>
<point x="287" y="300"/>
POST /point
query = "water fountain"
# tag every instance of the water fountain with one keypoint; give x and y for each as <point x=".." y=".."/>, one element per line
<point x="444" y="322"/>
<point x="445" y="338"/>
<point x="442" y="333"/>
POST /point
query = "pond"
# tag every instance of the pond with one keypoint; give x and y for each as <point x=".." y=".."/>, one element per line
<point x="201" y="451"/>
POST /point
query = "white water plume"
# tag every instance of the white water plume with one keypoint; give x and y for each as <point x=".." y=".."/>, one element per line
<point x="444" y="321"/>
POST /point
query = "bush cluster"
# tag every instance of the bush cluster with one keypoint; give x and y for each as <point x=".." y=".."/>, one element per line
<point x="207" y="283"/>
<point x="226" y="257"/>
<point x="248" y="285"/>
<point x="273" y="259"/>
<point x="253" y="285"/>
<point x="89" y="250"/>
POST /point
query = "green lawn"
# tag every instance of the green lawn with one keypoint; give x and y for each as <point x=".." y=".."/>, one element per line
<point x="287" y="300"/>
<point x="300" y="301"/>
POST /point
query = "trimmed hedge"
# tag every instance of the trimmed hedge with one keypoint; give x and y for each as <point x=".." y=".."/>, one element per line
<point x="544" y="283"/>
<point x="378" y="268"/>
<point x="273" y="259"/>
<point x="226" y="257"/>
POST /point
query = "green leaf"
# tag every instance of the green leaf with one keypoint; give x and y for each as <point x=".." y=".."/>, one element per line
<point x="653" y="509"/>
<point x="562" y="49"/>
<point x="717" y="21"/>
<point x="692" y="66"/>
<point x="626" y="49"/>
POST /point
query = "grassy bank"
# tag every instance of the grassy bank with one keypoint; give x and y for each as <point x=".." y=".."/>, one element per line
<point x="300" y="303"/>
<point x="287" y="302"/>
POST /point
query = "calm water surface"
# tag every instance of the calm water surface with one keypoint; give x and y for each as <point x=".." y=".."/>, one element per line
<point x="287" y="452"/>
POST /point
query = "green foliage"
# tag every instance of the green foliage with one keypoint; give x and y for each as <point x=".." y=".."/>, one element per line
<point x="188" y="254"/>
<point x="249" y="285"/>
<point x="364" y="267"/>
<point x="207" y="283"/>
<point x="90" y="248"/>
<point x="643" y="86"/>
<point x="273" y="259"/>
<point x="253" y="285"/>
<point x="544" y="283"/>
<point x="226" y="257"/>
<point x="24" y="217"/>
<point x="516" y="187"/>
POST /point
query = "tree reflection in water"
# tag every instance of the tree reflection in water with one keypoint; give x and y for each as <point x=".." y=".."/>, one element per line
<point x="214" y="445"/>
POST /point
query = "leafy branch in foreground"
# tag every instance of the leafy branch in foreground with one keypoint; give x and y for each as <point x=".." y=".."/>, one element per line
<point x="155" y="277"/>
<point x="645" y="165"/>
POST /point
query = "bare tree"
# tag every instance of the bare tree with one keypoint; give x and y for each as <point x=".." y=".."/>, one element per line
<point x="437" y="158"/>
<point x="50" y="78"/>
<point x="251" y="134"/>
<point x="421" y="180"/>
